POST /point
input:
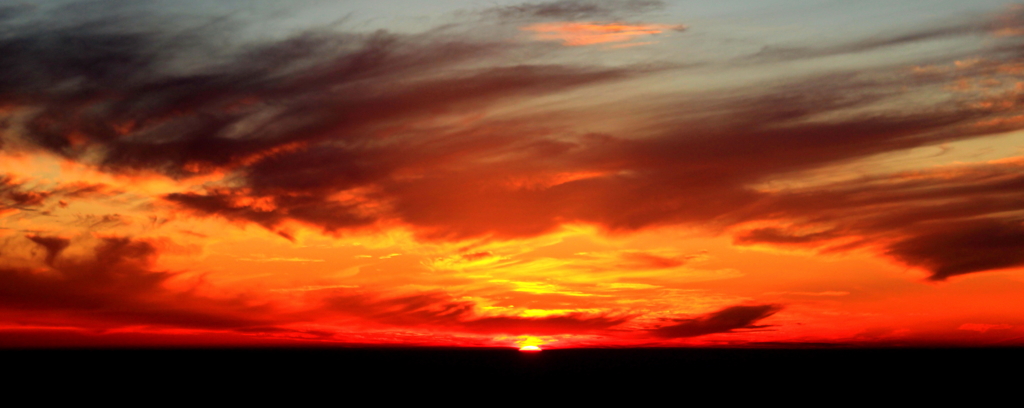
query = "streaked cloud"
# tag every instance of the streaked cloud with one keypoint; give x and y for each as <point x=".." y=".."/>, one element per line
<point x="564" y="10"/>
<point x="722" y="321"/>
<point x="580" y="33"/>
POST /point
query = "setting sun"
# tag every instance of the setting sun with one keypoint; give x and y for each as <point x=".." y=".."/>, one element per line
<point x="529" y="348"/>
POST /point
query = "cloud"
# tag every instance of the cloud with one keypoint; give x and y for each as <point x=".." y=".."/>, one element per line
<point x="788" y="53"/>
<point x="62" y="337"/>
<point x="262" y="258"/>
<point x="1007" y="23"/>
<point x="264" y="102"/>
<point x="235" y="205"/>
<point x="53" y="245"/>
<point x="567" y="10"/>
<point x="11" y="192"/>
<point x="20" y="194"/>
<point x="341" y="131"/>
<point x="14" y="11"/>
<point x="487" y="136"/>
<point x="722" y="321"/>
<point x="440" y="311"/>
<point x="576" y="34"/>
<point x="982" y="328"/>
<point x="960" y="247"/>
<point x="823" y="293"/>
<point x="950" y="221"/>
<point x="97" y="222"/>
<point x="117" y="287"/>
<point x="690" y="171"/>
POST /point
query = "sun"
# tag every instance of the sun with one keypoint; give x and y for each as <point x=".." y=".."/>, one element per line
<point x="529" y="348"/>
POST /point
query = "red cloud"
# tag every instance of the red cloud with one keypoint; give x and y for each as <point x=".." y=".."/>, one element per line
<point x="116" y="287"/>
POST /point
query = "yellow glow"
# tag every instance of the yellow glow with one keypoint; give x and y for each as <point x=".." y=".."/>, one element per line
<point x="529" y="348"/>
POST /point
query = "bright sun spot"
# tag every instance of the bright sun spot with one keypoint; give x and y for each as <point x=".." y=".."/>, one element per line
<point x="529" y="348"/>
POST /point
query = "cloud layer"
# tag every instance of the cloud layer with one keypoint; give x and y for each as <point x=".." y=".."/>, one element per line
<point x="346" y="130"/>
<point x="480" y="133"/>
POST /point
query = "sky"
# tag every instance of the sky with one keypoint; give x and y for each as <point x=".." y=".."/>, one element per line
<point x="621" y="173"/>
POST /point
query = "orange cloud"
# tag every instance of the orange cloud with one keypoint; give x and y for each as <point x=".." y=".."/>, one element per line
<point x="576" y="34"/>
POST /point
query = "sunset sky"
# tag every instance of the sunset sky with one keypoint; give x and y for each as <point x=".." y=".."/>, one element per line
<point x="622" y="173"/>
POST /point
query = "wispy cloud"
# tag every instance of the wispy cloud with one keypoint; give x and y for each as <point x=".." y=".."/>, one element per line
<point x="578" y="34"/>
<point x="568" y="10"/>
<point x="722" y="321"/>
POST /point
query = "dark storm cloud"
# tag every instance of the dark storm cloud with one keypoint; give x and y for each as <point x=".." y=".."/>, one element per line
<point x="115" y="286"/>
<point x="439" y="310"/>
<point x="722" y="321"/>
